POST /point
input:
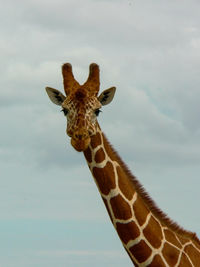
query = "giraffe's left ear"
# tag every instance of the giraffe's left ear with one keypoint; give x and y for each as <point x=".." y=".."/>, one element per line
<point x="107" y="96"/>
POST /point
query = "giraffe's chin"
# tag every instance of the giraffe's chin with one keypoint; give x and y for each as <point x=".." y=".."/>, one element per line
<point x="80" y="145"/>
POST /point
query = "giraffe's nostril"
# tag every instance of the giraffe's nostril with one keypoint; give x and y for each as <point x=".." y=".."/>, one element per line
<point x="80" y="136"/>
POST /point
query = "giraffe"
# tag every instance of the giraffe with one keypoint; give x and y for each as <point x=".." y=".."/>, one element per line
<point x="147" y="234"/>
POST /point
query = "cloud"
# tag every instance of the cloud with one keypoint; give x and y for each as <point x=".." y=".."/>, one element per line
<point x="150" y="52"/>
<point x="84" y="253"/>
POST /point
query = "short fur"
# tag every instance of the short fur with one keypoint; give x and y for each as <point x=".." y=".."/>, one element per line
<point x="151" y="204"/>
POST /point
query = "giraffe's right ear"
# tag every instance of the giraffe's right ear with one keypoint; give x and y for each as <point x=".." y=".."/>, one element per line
<point x="56" y="96"/>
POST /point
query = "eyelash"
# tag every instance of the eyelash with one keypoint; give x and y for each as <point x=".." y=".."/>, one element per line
<point x="65" y="111"/>
<point x="97" y="111"/>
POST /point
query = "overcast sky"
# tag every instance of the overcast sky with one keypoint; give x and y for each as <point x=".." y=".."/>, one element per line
<point x="51" y="213"/>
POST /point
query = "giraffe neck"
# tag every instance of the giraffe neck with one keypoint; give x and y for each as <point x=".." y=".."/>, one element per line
<point x="148" y="236"/>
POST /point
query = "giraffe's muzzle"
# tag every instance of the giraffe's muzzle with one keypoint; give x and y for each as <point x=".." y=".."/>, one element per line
<point x="80" y="140"/>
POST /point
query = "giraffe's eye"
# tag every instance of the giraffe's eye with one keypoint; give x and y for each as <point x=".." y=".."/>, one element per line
<point x="65" y="111"/>
<point x="97" y="111"/>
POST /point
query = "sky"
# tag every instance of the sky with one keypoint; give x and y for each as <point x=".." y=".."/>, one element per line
<point x="51" y="213"/>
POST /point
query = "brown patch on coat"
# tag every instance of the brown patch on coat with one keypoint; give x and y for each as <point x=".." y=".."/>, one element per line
<point x="105" y="178"/>
<point x="88" y="155"/>
<point x="95" y="140"/>
<point x="171" y="254"/>
<point x="153" y="233"/>
<point x="108" y="209"/>
<point x="124" y="184"/>
<point x="141" y="251"/>
<point x="121" y="208"/>
<point x="99" y="156"/>
<point x="128" y="231"/>
<point x="140" y="210"/>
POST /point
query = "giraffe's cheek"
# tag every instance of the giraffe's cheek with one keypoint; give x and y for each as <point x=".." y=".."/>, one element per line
<point x="69" y="132"/>
<point x="80" y="145"/>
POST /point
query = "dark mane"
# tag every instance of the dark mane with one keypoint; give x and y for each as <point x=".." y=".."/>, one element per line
<point x="157" y="212"/>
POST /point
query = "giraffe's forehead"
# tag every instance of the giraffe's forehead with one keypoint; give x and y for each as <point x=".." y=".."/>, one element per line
<point x="80" y="100"/>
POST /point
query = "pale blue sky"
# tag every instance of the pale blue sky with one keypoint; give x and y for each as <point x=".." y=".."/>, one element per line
<point x="51" y="213"/>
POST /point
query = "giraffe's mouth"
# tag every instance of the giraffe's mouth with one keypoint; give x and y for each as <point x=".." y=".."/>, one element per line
<point x="80" y="145"/>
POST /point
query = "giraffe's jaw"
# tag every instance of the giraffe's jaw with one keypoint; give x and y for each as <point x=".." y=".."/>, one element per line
<point x="80" y="145"/>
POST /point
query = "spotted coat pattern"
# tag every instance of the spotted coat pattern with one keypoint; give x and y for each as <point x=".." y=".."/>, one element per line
<point x="148" y="236"/>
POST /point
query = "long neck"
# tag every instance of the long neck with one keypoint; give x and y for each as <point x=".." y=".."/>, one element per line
<point x="148" y="236"/>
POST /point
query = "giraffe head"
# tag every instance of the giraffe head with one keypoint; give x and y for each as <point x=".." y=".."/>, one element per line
<point x="81" y="105"/>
